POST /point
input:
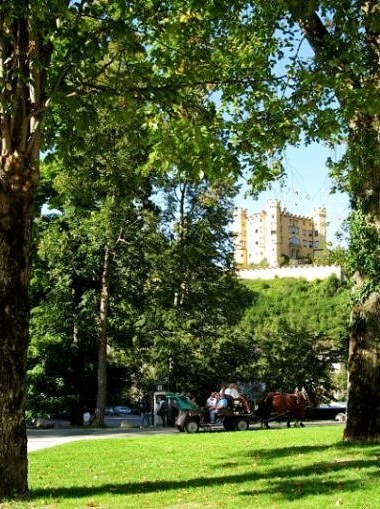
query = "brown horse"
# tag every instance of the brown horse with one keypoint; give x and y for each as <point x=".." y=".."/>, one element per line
<point x="276" y="405"/>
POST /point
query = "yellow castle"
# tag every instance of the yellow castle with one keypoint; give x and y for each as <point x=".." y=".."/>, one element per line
<point x="275" y="235"/>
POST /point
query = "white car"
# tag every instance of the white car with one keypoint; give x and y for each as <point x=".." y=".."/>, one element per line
<point x="122" y="410"/>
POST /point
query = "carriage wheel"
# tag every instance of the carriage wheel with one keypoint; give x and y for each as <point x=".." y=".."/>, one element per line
<point x="241" y="424"/>
<point x="191" y="426"/>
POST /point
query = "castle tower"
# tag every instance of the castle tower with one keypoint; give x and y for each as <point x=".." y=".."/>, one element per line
<point x="272" y="232"/>
<point x="319" y="237"/>
<point x="239" y="229"/>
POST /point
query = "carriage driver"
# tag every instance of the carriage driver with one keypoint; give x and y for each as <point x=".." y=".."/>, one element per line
<point x="233" y="391"/>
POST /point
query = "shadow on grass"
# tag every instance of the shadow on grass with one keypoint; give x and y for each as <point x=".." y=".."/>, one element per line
<point x="288" y="483"/>
<point x="283" y="452"/>
<point x="319" y="479"/>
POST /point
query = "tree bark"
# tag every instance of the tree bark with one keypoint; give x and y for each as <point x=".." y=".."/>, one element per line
<point x="363" y="423"/>
<point x="102" y="340"/>
<point x="15" y="230"/>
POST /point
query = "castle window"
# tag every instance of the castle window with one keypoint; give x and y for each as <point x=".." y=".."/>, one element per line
<point x="293" y="241"/>
<point x="316" y="233"/>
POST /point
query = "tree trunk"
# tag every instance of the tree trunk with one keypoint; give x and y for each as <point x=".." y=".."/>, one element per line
<point x="15" y="227"/>
<point x="102" y="341"/>
<point x="24" y="60"/>
<point x="363" y="422"/>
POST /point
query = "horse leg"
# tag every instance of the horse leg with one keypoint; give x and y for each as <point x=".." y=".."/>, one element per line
<point x="265" y="414"/>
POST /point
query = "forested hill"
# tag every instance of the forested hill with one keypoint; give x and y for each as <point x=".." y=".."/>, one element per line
<point x="300" y="330"/>
<point x="319" y="306"/>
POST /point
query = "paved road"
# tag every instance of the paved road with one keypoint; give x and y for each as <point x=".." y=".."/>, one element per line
<point x="41" y="439"/>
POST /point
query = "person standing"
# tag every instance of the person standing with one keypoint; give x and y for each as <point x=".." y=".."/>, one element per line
<point x="163" y="411"/>
<point x="144" y="407"/>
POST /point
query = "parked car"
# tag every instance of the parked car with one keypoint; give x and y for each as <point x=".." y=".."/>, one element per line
<point x="329" y="411"/>
<point x="109" y="410"/>
<point x="122" y="410"/>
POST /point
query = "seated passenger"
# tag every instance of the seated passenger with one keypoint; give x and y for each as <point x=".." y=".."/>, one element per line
<point x="212" y="404"/>
<point x="222" y="403"/>
<point x="190" y="397"/>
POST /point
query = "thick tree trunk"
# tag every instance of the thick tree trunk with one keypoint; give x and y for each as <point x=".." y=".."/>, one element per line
<point x="15" y="226"/>
<point x="363" y="421"/>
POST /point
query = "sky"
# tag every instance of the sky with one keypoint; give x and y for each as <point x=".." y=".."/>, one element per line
<point x="306" y="186"/>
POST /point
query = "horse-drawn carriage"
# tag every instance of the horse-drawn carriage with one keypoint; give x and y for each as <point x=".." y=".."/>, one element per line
<point x="273" y="406"/>
<point x="192" y="417"/>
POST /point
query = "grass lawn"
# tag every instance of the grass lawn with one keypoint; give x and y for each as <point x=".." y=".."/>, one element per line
<point x="278" y="468"/>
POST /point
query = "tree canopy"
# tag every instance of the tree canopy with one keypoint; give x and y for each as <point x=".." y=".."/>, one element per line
<point x="222" y="88"/>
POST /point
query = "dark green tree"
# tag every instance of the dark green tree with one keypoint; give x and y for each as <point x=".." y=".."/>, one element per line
<point x="102" y="206"/>
<point x="193" y="287"/>
<point x="300" y="331"/>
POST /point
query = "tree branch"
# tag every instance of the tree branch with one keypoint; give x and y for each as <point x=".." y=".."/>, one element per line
<point x="315" y="32"/>
<point x="321" y="40"/>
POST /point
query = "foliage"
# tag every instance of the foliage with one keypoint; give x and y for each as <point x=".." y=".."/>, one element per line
<point x="320" y="307"/>
<point x="193" y="292"/>
<point x="172" y="279"/>
<point x="300" y="330"/>
<point x="296" y="358"/>
<point x="364" y="252"/>
<point x="334" y="256"/>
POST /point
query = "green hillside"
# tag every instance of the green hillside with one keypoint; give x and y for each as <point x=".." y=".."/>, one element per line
<point x="300" y="330"/>
<point x="321" y="307"/>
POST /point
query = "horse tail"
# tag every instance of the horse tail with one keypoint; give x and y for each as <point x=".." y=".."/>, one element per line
<point x="267" y="406"/>
<point x="264" y="407"/>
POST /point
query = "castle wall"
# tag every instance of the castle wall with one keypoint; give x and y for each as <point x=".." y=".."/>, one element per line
<point x="305" y="272"/>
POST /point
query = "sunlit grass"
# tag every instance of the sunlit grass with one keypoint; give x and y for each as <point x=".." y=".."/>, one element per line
<point x="279" y="468"/>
